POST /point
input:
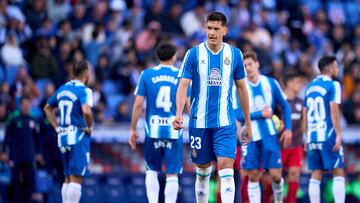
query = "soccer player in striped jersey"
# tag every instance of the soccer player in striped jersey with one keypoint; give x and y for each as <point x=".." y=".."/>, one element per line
<point x="265" y="94"/>
<point x="213" y="66"/>
<point x="158" y="87"/>
<point x="74" y="101"/>
<point x="321" y="110"/>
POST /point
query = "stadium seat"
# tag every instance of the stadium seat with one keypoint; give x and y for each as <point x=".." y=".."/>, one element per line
<point x="91" y="190"/>
<point x="187" y="187"/>
<point x="136" y="189"/>
<point x="109" y="87"/>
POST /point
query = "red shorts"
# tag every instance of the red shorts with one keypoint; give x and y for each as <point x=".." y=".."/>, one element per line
<point x="292" y="157"/>
<point x="237" y="158"/>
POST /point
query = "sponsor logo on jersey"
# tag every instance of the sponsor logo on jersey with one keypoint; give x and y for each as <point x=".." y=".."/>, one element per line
<point x="162" y="144"/>
<point x="214" y="78"/>
<point x="161" y="121"/>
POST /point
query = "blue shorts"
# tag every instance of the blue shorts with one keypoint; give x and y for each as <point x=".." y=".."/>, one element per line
<point x="207" y="144"/>
<point x="168" y="150"/>
<point x="322" y="157"/>
<point x="264" y="153"/>
<point x="76" y="158"/>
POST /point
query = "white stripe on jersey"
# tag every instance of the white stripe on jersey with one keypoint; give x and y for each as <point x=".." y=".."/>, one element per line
<point x="268" y="100"/>
<point x="154" y="131"/>
<point x="226" y="69"/>
<point x="180" y="74"/>
<point x="174" y="134"/>
<point x="203" y="73"/>
<point x="337" y="92"/>
<point x="254" y="126"/>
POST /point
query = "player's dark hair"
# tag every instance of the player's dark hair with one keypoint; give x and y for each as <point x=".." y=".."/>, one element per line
<point x="80" y="67"/>
<point x="251" y="55"/>
<point x="325" y="61"/>
<point x="165" y="51"/>
<point x="217" y="16"/>
<point x="291" y="74"/>
<point x="24" y="98"/>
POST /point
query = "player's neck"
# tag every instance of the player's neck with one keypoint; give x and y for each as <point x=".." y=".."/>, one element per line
<point x="254" y="79"/>
<point x="167" y="63"/>
<point x="289" y="94"/>
<point x="214" y="48"/>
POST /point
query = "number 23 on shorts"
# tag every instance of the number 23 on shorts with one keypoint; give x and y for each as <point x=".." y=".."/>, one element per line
<point x="195" y="142"/>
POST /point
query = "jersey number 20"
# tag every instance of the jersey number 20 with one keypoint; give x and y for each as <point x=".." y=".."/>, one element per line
<point x="65" y="107"/>
<point x="316" y="112"/>
<point x="163" y="98"/>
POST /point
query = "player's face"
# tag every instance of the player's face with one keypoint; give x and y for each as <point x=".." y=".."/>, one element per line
<point x="251" y="67"/>
<point x="295" y="84"/>
<point x="25" y="107"/>
<point x="335" y="69"/>
<point x="215" y="32"/>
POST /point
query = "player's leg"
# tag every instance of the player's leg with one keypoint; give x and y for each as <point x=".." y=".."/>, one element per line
<point x="294" y="157"/>
<point x="250" y="164"/>
<point x="201" y="154"/>
<point x="78" y="162"/>
<point x="335" y="161"/>
<point x="153" y="160"/>
<point x="224" y="145"/>
<point x="65" y="154"/>
<point x="339" y="185"/>
<point x="314" y="186"/>
<point x="173" y="162"/>
<point x="271" y="159"/>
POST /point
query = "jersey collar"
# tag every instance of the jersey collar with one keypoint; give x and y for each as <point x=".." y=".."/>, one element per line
<point x="324" y="76"/>
<point x="77" y="82"/>
<point x="222" y="47"/>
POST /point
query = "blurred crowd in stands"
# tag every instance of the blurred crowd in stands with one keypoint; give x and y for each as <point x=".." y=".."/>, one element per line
<point x="41" y="39"/>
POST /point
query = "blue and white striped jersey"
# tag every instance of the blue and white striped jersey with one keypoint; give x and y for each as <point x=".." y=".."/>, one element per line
<point x="159" y="85"/>
<point x="69" y="98"/>
<point x="266" y="92"/>
<point x="212" y="76"/>
<point x="318" y="96"/>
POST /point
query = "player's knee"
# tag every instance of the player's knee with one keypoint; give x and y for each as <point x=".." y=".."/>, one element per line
<point x="338" y="172"/>
<point x="294" y="175"/>
<point x="224" y="163"/>
<point x="254" y="176"/>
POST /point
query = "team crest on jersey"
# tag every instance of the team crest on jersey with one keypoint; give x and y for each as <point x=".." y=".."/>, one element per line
<point x="214" y="78"/>
<point x="227" y="61"/>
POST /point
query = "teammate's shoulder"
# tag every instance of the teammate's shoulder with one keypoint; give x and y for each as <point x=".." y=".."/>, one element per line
<point x="11" y="116"/>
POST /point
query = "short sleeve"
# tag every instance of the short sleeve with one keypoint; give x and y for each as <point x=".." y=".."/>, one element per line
<point x="87" y="97"/>
<point x="278" y="90"/>
<point x="140" y="89"/>
<point x="335" y="93"/>
<point x="52" y="101"/>
<point x="239" y="68"/>
<point x="188" y="65"/>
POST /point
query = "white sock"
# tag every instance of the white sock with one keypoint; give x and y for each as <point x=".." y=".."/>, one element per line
<point x="152" y="186"/>
<point x="202" y="184"/>
<point x="64" y="189"/>
<point x="339" y="189"/>
<point x="227" y="185"/>
<point x="314" y="190"/>
<point x="171" y="189"/>
<point x="73" y="193"/>
<point x="278" y="191"/>
<point x="254" y="192"/>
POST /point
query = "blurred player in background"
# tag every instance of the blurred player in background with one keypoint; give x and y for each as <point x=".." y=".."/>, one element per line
<point x="292" y="155"/>
<point x="74" y="101"/>
<point x="321" y="110"/>
<point x="265" y="94"/>
<point x="158" y="86"/>
<point x="212" y="67"/>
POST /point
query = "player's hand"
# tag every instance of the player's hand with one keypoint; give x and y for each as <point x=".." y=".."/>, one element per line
<point x="88" y="131"/>
<point x="286" y="138"/>
<point x="178" y="123"/>
<point x="267" y="112"/>
<point x="246" y="138"/>
<point x="133" y="139"/>
<point x="337" y="146"/>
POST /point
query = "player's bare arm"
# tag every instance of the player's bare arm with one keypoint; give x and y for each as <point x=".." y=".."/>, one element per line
<point x="335" y="119"/>
<point x="136" y="113"/>
<point x="243" y="96"/>
<point x="88" y="116"/>
<point x="50" y="114"/>
<point x="304" y="126"/>
<point x="180" y="102"/>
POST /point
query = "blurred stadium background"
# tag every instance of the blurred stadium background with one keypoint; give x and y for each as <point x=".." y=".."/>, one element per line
<point x="41" y="39"/>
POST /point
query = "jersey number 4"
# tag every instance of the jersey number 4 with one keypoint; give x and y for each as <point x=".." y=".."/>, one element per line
<point x="163" y="98"/>
<point x="65" y="107"/>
